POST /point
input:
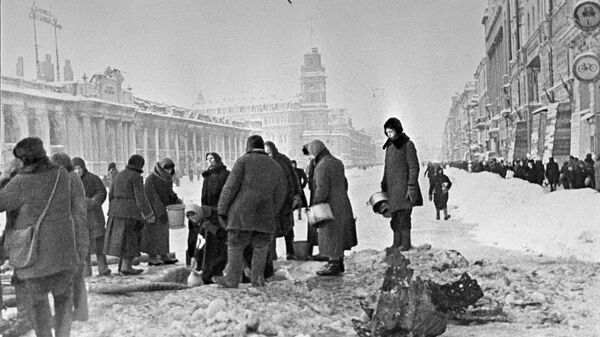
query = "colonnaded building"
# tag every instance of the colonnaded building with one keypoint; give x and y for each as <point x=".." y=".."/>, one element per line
<point x="102" y="122"/>
<point x="292" y="123"/>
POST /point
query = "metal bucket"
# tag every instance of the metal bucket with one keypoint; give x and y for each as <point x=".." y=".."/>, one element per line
<point x="301" y="250"/>
<point x="176" y="214"/>
<point x="318" y="215"/>
<point x="376" y="200"/>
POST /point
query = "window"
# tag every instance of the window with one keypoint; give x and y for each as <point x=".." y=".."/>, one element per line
<point x="56" y="129"/>
<point x="35" y="127"/>
<point x="12" y="132"/>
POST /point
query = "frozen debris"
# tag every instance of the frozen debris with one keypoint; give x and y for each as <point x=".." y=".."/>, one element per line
<point x="214" y="307"/>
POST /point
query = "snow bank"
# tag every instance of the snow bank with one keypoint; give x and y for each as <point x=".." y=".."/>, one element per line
<point x="515" y="214"/>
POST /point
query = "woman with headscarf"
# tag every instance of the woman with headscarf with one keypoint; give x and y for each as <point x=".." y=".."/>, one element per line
<point x="45" y="240"/>
<point x="331" y="187"/>
<point x="128" y="210"/>
<point x="160" y="194"/>
<point x="438" y="192"/>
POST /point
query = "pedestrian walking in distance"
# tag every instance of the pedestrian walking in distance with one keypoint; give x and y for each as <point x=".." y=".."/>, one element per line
<point x="438" y="192"/>
<point x="400" y="181"/>
<point x="251" y="200"/>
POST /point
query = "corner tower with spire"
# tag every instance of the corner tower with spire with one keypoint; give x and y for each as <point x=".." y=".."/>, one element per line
<point x="313" y="79"/>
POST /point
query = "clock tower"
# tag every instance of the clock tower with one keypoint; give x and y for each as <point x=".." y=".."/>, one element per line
<point x="312" y="80"/>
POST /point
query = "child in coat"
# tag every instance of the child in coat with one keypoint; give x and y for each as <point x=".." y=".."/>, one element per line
<point x="438" y="192"/>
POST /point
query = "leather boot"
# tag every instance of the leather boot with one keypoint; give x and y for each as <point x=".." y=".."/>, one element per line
<point x="259" y="262"/>
<point x="405" y="243"/>
<point x="397" y="240"/>
<point x="342" y="268"/>
<point x="233" y="271"/>
<point x="331" y="269"/>
<point x="437" y="214"/>
<point x="103" y="269"/>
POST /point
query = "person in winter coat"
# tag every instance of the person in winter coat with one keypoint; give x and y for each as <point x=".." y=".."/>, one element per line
<point x="302" y="182"/>
<point x="311" y="235"/>
<point x="521" y="170"/>
<point x="214" y="255"/>
<point x="429" y="173"/>
<point x="44" y="193"/>
<point x="210" y="260"/>
<point x="538" y="172"/>
<point x="112" y="173"/>
<point x="400" y="181"/>
<point x="80" y="302"/>
<point x="95" y="195"/>
<point x="579" y="174"/>
<point x="331" y="187"/>
<point x="291" y="200"/>
<point x="159" y="191"/>
<point x="597" y="172"/>
<point x="250" y="202"/>
<point x="530" y="172"/>
<point x="552" y="174"/>
<point x="566" y="173"/>
<point x="128" y="210"/>
<point x="438" y="192"/>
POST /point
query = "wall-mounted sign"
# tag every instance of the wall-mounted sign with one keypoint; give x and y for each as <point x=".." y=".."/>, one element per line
<point x="587" y="15"/>
<point x="586" y="67"/>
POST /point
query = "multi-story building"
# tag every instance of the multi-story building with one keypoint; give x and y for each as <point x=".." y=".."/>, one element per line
<point x="102" y="122"/>
<point x="535" y="105"/>
<point x="292" y="123"/>
<point x="459" y="138"/>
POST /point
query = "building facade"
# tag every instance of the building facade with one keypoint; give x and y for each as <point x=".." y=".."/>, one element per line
<point x="102" y="122"/>
<point x="292" y="123"/>
<point x="535" y="106"/>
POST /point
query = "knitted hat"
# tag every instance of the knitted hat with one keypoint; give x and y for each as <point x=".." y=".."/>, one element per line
<point x="255" y="142"/>
<point x="393" y="123"/>
<point x="136" y="161"/>
<point x="30" y="150"/>
<point x="77" y="161"/>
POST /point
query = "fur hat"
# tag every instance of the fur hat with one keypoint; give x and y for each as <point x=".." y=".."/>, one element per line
<point x="63" y="160"/>
<point x="305" y="150"/>
<point x="77" y="161"/>
<point x="136" y="161"/>
<point x="30" y="150"/>
<point x="255" y="142"/>
<point x="166" y="163"/>
<point x="112" y="166"/>
<point x="394" y="124"/>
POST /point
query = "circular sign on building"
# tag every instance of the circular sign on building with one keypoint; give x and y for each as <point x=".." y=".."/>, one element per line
<point x="586" y="67"/>
<point x="587" y="15"/>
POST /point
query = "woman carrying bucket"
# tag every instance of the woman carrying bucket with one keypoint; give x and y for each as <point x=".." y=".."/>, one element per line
<point x="159" y="191"/>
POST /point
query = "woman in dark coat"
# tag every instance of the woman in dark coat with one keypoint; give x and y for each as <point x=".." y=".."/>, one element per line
<point x="60" y="245"/>
<point x="95" y="196"/>
<point x="331" y="187"/>
<point x="552" y="174"/>
<point x="212" y="259"/>
<point x="438" y="191"/>
<point x="128" y="210"/>
<point x="159" y="191"/>
<point x="400" y="181"/>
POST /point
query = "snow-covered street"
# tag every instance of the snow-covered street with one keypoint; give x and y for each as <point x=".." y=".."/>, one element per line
<point x="526" y="273"/>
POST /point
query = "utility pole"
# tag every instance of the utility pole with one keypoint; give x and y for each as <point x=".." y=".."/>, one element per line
<point x="56" y="27"/>
<point x="32" y="16"/>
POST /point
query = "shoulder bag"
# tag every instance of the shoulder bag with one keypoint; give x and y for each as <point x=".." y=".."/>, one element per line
<point x="23" y="243"/>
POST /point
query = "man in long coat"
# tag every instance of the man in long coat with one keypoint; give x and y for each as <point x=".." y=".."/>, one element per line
<point x="292" y="198"/>
<point x="95" y="195"/>
<point x="331" y="187"/>
<point x="400" y="181"/>
<point x="251" y="199"/>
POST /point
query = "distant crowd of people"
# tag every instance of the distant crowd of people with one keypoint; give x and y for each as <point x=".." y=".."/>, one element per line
<point x="573" y="174"/>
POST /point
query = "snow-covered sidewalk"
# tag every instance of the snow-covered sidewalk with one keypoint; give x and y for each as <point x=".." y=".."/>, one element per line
<point x="514" y="214"/>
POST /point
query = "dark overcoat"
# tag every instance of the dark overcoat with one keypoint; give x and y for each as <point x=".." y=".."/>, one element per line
<point x="440" y="198"/>
<point x="61" y="230"/>
<point x="285" y="222"/>
<point x="95" y="195"/>
<point x="401" y="170"/>
<point x="331" y="187"/>
<point x="159" y="191"/>
<point x="552" y="172"/>
<point x="253" y="194"/>
<point x="214" y="180"/>
<point x="126" y="196"/>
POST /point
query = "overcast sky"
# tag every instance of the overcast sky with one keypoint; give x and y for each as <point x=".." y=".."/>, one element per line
<point x="383" y="58"/>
